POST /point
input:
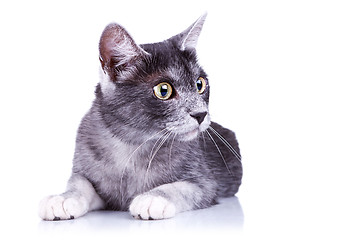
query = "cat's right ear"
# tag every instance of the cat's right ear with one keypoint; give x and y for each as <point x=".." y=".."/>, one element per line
<point x="187" y="40"/>
<point x="118" y="51"/>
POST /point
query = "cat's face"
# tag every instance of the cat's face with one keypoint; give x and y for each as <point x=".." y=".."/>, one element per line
<point x="153" y="89"/>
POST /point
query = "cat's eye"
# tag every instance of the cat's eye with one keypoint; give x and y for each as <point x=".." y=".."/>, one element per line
<point x="201" y="84"/>
<point x="163" y="91"/>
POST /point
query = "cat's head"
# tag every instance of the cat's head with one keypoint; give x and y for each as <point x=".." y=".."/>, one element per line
<point x="152" y="88"/>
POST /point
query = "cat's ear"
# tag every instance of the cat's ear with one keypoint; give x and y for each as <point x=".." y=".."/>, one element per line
<point x="118" y="50"/>
<point x="187" y="40"/>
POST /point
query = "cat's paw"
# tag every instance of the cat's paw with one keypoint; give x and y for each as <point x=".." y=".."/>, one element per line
<point x="148" y="207"/>
<point x="58" y="207"/>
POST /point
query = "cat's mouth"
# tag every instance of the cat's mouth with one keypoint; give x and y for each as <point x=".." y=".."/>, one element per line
<point x="189" y="132"/>
<point x="188" y="135"/>
<point x="193" y="133"/>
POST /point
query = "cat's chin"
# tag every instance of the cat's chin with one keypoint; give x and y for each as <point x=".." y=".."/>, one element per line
<point x="185" y="137"/>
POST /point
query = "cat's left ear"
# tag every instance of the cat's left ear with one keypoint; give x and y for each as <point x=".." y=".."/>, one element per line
<point x="187" y="40"/>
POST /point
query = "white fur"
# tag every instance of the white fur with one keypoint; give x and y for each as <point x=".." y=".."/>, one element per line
<point x="188" y="128"/>
<point x="180" y="190"/>
<point x="79" y="198"/>
<point x="62" y="208"/>
<point x="107" y="86"/>
<point x="153" y="205"/>
<point x="147" y="206"/>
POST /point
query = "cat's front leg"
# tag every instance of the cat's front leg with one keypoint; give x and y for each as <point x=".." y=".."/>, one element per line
<point x="168" y="199"/>
<point x="79" y="199"/>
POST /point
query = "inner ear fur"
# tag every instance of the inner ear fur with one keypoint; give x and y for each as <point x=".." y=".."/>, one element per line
<point x="118" y="49"/>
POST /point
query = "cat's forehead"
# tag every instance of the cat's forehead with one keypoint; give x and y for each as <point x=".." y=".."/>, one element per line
<point x="178" y="74"/>
<point x="166" y="60"/>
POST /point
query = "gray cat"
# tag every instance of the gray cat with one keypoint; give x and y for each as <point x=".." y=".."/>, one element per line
<point x="147" y="144"/>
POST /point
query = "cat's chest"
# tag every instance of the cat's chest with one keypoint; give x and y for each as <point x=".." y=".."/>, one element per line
<point x="123" y="161"/>
<point x="127" y="171"/>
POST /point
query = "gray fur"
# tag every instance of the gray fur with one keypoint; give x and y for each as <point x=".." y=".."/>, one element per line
<point x="131" y="143"/>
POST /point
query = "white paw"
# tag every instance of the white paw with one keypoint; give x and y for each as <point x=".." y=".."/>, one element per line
<point x="150" y="207"/>
<point x="61" y="208"/>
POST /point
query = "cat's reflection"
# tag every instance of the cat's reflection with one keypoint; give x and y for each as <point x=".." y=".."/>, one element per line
<point x="227" y="215"/>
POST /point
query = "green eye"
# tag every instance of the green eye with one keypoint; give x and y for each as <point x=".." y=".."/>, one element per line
<point x="163" y="91"/>
<point x="201" y="84"/>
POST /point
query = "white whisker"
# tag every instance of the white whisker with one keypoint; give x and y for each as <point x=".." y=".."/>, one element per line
<point x="152" y="150"/>
<point x="164" y="139"/>
<point x="132" y="154"/>
<point x="172" y="143"/>
<point x="204" y="141"/>
<point x="226" y="143"/>
<point x="170" y="152"/>
<point x="217" y="147"/>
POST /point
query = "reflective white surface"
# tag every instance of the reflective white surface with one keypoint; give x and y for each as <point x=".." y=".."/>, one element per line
<point x="225" y="218"/>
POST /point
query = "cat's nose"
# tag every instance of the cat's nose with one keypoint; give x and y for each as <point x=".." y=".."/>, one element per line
<point x="199" y="116"/>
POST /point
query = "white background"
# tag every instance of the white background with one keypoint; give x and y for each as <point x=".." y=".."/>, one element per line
<point x="284" y="76"/>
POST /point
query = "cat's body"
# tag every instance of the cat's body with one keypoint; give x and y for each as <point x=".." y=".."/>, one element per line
<point x="147" y="144"/>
